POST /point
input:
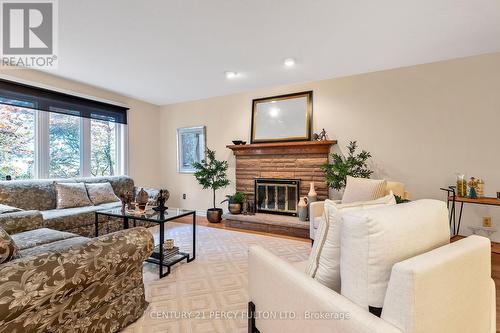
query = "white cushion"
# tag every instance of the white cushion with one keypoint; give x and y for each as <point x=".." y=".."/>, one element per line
<point x="362" y="189"/>
<point x="372" y="241"/>
<point x="324" y="260"/>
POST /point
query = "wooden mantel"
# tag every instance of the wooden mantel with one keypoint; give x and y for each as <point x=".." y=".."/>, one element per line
<point x="288" y="148"/>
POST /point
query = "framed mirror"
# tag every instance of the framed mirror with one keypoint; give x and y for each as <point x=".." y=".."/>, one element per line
<point x="282" y="118"/>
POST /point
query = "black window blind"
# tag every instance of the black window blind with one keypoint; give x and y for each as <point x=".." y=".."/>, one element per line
<point x="26" y="96"/>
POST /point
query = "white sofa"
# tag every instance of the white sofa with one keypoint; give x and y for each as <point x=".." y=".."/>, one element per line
<point x="444" y="290"/>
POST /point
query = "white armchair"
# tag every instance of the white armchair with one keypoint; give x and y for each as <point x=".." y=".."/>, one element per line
<point x="445" y="290"/>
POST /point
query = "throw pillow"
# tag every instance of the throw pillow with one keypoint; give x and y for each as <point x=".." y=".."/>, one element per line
<point x="372" y="241"/>
<point x="100" y="193"/>
<point x="71" y="195"/>
<point x="362" y="189"/>
<point x="4" y="209"/>
<point x="8" y="249"/>
<point x="324" y="260"/>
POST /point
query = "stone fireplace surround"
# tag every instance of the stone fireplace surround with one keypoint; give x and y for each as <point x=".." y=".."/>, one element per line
<point x="281" y="160"/>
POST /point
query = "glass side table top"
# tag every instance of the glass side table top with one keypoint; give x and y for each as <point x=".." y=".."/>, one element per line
<point x="148" y="214"/>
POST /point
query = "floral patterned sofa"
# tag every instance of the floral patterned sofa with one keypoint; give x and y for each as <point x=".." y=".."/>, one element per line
<point x="63" y="282"/>
<point x="37" y="200"/>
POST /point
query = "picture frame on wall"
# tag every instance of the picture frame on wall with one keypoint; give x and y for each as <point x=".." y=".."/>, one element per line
<point x="191" y="144"/>
<point x="282" y="118"/>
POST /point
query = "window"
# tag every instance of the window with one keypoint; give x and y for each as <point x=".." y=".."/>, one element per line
<point x="45" y="134"/>
<point x="17" y="142"/>
<point x="64" y="146"/>
<point x="103" y="148"/>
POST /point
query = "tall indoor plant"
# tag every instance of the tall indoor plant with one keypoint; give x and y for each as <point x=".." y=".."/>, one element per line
<point x="211" y="174"/>
<point x="354" y="165"/>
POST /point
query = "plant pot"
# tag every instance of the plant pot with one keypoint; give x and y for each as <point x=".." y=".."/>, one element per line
<point x="214" y="215"/>
<point x="234" y="208"/>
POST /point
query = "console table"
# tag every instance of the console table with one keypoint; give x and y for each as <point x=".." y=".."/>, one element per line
<point x="453" y="199"/>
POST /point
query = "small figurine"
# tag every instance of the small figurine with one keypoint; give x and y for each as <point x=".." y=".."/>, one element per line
<point x="473" y="185"/>
<point x="160" y="201"/>
<point x="322" y="136"/>
<point x="126" y="198"/>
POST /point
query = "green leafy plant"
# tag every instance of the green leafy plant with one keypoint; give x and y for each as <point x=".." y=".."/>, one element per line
<point x="354" y="165"/>
<point x="238" y="197"/>
<point x="211" y="173"/>
<point x="400" y="200"/>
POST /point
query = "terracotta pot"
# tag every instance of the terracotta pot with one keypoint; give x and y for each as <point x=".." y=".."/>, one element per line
<point x="214" y="215"/>
<point x="235" y="208"/>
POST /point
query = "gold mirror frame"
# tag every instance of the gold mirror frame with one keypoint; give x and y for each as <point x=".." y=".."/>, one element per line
<point x="307" y="125"/>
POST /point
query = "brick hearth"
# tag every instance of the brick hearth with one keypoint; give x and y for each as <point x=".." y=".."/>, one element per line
<point x="290" y="160"/>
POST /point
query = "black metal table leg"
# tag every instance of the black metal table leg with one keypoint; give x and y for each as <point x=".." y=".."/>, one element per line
<point x="454" y="215"/>
<point x="96" y="223"/>
<point x="194" y="239"/>
<point x="460" y="217"/>
<point x="162" y="235"/>
<point x="125" y="222"/>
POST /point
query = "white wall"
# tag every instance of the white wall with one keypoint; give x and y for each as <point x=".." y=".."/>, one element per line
<point x="143" y="126"/>
<point x="422" y="124"/>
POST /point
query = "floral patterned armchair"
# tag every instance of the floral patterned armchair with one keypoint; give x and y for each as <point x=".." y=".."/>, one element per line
<point x="67" y="283"/>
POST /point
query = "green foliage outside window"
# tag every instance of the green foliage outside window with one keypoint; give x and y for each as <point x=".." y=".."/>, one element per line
<point x="17" y="142"/>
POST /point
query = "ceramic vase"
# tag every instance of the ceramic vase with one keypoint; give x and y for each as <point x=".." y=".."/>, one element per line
<point x="312" y="196"/>
<point x="302" y="209"/>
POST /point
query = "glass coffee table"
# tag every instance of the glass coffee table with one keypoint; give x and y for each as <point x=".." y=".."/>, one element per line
<point x="160" y="218"/>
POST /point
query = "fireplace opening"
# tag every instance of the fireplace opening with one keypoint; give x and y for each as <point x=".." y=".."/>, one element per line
<point x="277" y="196"/>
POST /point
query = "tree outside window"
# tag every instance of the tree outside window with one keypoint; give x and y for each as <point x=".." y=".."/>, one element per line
<point x="64" y="145"/>
<point x="103" y="148"/>
<point x="17" y="142"/>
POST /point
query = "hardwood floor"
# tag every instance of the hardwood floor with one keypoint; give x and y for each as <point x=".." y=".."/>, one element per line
<point x="495" y="255"/>
<point x="204" y="222"/>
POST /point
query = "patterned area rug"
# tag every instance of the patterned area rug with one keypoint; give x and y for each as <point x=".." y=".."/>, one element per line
<point x="209" y="294"/>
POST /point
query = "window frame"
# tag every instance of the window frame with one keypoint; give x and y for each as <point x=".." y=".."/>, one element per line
<point x="42" y="150"/>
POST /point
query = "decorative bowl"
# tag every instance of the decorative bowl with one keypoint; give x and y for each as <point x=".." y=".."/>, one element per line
<point x="237" y="142"/>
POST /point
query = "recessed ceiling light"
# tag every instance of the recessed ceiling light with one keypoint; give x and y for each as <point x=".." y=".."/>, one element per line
<point x="289" y="62"/>
<point x="231" y="75"/>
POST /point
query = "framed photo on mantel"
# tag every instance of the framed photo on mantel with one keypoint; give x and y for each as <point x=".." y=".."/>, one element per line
<point x="282" y="118"/>
<point x="190" y="147"/>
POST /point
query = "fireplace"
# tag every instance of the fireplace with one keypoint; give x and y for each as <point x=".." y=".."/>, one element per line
<point x="276" y="196"/>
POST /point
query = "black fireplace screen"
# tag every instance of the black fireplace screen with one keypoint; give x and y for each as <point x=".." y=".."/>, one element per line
<point x="278" y="196"/>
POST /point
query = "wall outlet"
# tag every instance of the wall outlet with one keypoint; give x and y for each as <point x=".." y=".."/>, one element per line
<point x="487" y="221"/>
<point x="184" y="196"/>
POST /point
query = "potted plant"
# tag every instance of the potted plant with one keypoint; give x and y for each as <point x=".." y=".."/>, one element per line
<point x="353" y="165"/>
<point x="234" y="202"/>
<point x="211" y="174"/>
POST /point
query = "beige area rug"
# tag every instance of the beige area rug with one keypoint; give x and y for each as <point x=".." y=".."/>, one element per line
<point x="212" y="289"/>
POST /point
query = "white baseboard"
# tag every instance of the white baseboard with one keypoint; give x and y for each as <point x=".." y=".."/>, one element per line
<point x="200" y="212"/>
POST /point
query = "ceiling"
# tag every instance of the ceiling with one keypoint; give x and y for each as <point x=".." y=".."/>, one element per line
<point x="167" y="51"/>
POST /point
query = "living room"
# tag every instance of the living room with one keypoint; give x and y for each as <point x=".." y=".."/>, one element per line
<point x="334" y="176"/>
